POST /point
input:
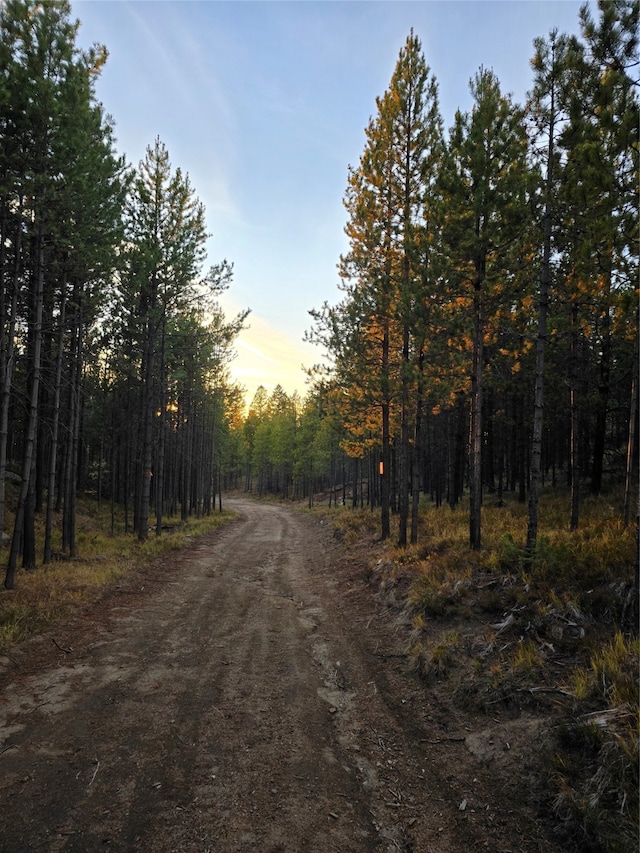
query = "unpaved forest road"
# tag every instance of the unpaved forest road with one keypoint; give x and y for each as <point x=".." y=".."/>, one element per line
<point x="245" y="695"/>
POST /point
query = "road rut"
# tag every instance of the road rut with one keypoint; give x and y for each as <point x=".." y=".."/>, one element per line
<point x="239" y="696"/>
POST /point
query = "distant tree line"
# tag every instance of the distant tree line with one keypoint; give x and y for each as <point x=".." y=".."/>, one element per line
<point x="113" y="348"/>
<point x="487" y="339"/>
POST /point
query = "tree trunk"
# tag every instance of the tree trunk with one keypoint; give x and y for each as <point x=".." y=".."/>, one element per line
<point x="29" y="524"/>
<point x="147" y="434"/>
<point x="521" y="449"/>
<point x="71" y="461"/>
<point x="575" y="424"/>
<point x="632" y="438"/>
<point x="602" y="398"/>
<point x="32" y="419"/>
<point x="53" y="458"/>
<point x="6" y="363"/>
<point x="475" y="472"/>
<point x="417" y="448"/>
<point x="186" y="460"/>
<point x="385" y="471"/>
<point x="403" y="491"/>
<point x="538" y="397"/>
<point x="159" y="484"/>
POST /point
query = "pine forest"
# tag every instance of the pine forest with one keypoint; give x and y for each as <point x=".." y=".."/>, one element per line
<point x="473" y="414"/>
<point x="485" y="343"/>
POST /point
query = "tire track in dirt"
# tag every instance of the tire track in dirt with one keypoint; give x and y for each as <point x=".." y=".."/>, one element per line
<point x="231" y="704"/>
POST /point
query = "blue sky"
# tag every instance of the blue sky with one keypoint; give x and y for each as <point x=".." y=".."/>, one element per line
<point x="264" y="103"/>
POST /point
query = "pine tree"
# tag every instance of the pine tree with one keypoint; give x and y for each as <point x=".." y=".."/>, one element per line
<point x="485" y="193"/>
<point x="545" y="107"/>
<point x="55" y="143"/>
<point x="375" y="333"/>
<point x="600" y="238"/>
<point x="410" y="117"/>
<point x="166" y="237"/>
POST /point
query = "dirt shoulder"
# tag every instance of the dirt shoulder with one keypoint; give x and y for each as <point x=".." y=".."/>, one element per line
<point x="250" y="693"/>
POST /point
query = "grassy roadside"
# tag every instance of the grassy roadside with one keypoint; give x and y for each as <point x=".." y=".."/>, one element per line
<point x="51" y="593"/>
<point x="499" y="633"/>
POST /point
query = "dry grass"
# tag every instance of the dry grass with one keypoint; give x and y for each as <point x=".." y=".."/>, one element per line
<point x="349" y="525"/>
<point x="51" y="593"/>
<point x="595" y="767"/>
<point x="549" y="631"/>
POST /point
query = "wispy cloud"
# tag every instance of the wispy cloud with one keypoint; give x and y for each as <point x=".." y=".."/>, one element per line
<point x="267" y="356"/>
<point x="255" y="351"/>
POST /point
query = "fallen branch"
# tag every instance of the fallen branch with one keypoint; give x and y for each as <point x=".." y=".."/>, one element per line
<point x="444" y="740"/>
<point x="506" y="623"/>
<point x="62" y="649"/>
<point x="545" y="690"/>
<point x="390" y="654"/>
<point x="604" y="718"/>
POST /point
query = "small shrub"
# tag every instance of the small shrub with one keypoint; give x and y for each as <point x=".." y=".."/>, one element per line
<point x="507" y="555"/>
<point x="436" y="660"/>
<point x="596" y="770"/>
<point x="596" y="783"/>
<point x="440" y="584"/>
<point x="527" y="658"/>
<point x="615" y="670"/>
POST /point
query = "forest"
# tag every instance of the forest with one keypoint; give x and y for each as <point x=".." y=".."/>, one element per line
<point x="113" y="348"/>
<point x="485" y="342"/>
<point x="472" y="419"/>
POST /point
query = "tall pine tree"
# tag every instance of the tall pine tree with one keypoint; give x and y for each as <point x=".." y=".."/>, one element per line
<point x="485" y="189"/>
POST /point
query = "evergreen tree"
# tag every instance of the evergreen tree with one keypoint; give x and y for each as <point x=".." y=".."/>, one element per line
<point x="545" y="107"/>
<point x="410" y="118"/>
<point x="600" y="234"/>
<point x="485" y="191"/>
<point x="375" y="333"/>
<point x="59" y="203"/>
<point x="164" y="260"/>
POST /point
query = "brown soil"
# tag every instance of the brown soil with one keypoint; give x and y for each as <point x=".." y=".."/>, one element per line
<point x="251" y="693"/>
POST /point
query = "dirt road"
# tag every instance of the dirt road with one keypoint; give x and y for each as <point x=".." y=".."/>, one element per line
<point x="247" y="695"/>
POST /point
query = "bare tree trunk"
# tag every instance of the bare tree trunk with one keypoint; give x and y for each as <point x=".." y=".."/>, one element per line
<point x="538" y="401"/>
<point x="159" y="484"/>
<point x="385" y="468"/>
<point x="29" y="523"/>
<point x="71" y="461"/>
<point x="403" y="491"/>
<point x="32" y="419"/>
<point x="415" y="487"/>
<point x="6" y="364"/>
<point x="187" y="445"/>
<point x="575" y="424"/>
<point x="602" y="398"/>
<point x="147" y="434"/>
<point x="53" y="460"/>
<point x="631" y="441"/>
<point x="475" y="473"/>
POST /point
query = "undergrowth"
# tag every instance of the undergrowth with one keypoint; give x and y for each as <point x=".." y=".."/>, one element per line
<point x="349" y="525"/>
<point x="595" y="766"/>
<point x="553" y="631"/>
